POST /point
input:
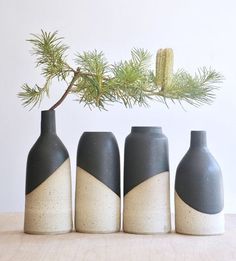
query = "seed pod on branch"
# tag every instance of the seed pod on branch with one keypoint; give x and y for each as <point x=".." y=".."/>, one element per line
<point x="164" y="67"/>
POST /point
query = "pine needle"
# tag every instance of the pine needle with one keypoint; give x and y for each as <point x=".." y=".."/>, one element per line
<point x="96" y="83"/>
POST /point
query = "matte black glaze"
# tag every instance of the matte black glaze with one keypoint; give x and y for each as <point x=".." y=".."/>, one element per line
<point x="47" y="154"/>
<point x="198" y="179"/>
<point x="98" y="154"/>
<point x="146" y="155"/>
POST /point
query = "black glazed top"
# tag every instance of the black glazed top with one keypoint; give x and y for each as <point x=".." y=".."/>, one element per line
<point x="98" y="154"/>
<point x="198" y="178"/>
<point x="99" y="133"/>
<point x="146" y="155"/>
<point x="47" y="154"/>
<point x="48" y="121"/>
<point x="146" y="129"/>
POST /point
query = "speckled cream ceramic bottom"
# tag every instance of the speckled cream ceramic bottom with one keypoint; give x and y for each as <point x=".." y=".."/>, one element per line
<point x="147" y="206"/>
<point x="192" y="222"/>
<point x="97" y="207"/>
<point x="48" y="208"/>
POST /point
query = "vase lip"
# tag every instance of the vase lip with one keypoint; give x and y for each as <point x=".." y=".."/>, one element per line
<point x="48" y="111"/>
<point x="146" y="129"/>
<point x="198" y="131"/>
<point x="97" y="132"/>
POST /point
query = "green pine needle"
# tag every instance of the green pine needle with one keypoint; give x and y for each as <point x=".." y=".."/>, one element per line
<point x="33" y="96"/>
<point x="50" y="54"/>
<point x="195" y="90"/>
<point x="96" y="83"/>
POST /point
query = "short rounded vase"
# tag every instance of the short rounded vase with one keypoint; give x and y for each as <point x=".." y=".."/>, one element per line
<point x="97" y="200"/>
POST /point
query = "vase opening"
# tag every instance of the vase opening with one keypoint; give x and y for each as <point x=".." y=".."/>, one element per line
<point x="146" y="129"/>
<point x="97" y="132"/>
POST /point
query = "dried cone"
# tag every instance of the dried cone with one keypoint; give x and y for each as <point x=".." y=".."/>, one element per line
<point x="164" y="67"/>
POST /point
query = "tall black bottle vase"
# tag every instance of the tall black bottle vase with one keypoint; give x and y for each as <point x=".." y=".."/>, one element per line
<point x="48" y="208"/>
<point x="97" y="201"/>
<point x="146" y="182"/>
<point x="199" y="196"/>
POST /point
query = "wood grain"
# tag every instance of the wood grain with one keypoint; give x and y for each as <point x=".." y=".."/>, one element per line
<point x="15" y="245"/>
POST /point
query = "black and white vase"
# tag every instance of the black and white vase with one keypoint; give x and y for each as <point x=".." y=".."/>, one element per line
<point x="97" y="201"/>
<point x="48" y="208"/>
<point x="146" y="182"/>
<point x="199" y="196"/>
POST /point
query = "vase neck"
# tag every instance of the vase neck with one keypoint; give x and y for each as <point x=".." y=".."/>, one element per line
<point x="48" y="122"/>
<point x="198" y="139"/>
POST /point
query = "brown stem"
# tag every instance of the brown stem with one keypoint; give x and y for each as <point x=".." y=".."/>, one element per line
<point x="75" y="77"/>
<point x="92" y="75"/>
<point x="77" y="74"/>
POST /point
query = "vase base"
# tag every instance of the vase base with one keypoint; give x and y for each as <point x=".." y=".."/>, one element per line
<point x="48" y="206"/>
<point x="48" y="233"/>
<point x="207" y="235"/>
<point x="147" y="207"/>
<point x="97" y="232"/>
<point x="97" y="208"/>
<point x="189" y="221"/>
<point x="147" y="233"/>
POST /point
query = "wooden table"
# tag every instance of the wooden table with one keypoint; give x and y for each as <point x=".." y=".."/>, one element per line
<point x="15" y="245"/>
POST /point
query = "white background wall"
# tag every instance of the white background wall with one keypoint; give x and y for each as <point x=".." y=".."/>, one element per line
<point x="200" y="32"/>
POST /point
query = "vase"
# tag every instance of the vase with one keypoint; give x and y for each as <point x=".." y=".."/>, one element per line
<point x="199" y="196"/>
<point x="146" y="182"/>
<point x="97" y="202"/>
<point x="48" y="208"/>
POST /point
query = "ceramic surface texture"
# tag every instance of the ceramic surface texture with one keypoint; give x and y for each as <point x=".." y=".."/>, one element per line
<point x="199" y="187"/>
<point x="48" y="183"/>
<point x="47" y="154"/>
<point x="48" y="207"/>
<point x="145" y="211"/>
<point x="146" y="181"/>
<point x="190" y="221"/>
<point x="97" y="208"/>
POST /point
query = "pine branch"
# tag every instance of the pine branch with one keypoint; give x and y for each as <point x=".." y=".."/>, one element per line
<point x="33" y="96"/>
<point x="195" y="90"/>
<point x="131" y="77"/>
<point x="96" y="83"/>
<point x="91" y="88"/>
<point x="50" y="54"/>
<point x="75" y="77"/>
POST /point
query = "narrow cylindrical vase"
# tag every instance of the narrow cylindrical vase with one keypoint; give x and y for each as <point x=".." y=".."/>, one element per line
<point x="97" y="201"/>
<point x="48" y="208"/>
<point x="146" y="182"/>
<point x="199" y="196"/>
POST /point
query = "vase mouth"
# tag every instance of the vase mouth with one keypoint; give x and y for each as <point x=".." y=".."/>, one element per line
<point x="146" y="129"/>
<point x="47" y="112"/>
<point x="97" y="132"/>
<point x="198" y="132"/>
